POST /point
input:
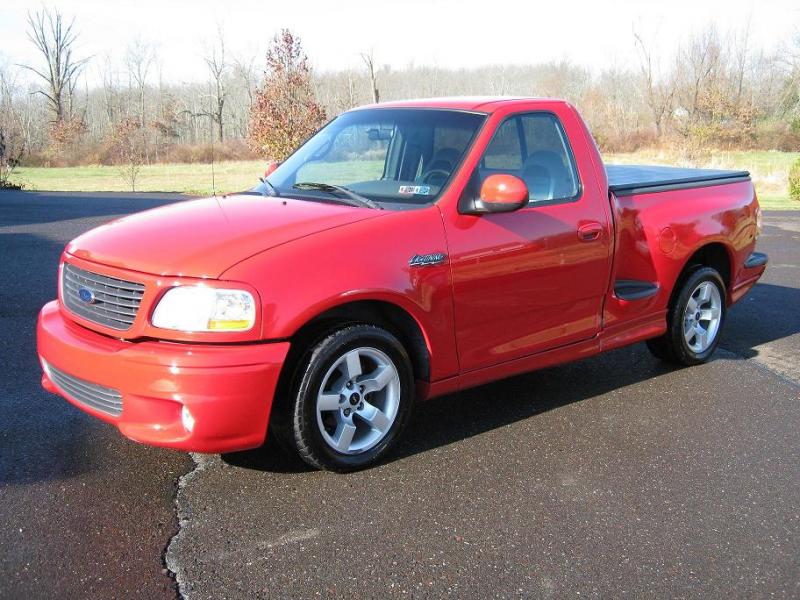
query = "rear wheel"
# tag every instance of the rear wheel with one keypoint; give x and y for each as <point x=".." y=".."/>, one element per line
<point x="352" y="399"/>
<point x="694" y="320"/>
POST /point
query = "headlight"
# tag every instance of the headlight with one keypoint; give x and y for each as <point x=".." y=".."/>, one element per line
<point x="200" y="308"/>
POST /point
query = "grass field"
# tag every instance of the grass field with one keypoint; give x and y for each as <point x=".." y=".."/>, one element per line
<point x="187" y="178"/>
<point x="768" y="169"/>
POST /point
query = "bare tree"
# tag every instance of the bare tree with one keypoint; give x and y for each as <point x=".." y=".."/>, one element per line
<point x="218" y="68"/>
<point x="12" y="144"/>
<point x="369" y="62"/>
<point x="55" y="41"/>
<point x="788" y="61"/>
<point x="741" y="56"/>
<point x="244" y="83"/>
<point x="698" y="67"/>
<point x="658" y="94"/>
<point x="245" y="71"/>
<point x="139" y="59"/>
<point x="112" y="101"/>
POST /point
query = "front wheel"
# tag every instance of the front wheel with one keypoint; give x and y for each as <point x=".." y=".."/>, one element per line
<point x="694" y="320"/>
<point x="352" y="398"/>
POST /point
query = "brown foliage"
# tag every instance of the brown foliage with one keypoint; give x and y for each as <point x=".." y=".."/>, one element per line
<point x="126" y="147"/>
<point x="168" y="123"/>
<point x="64" y="137"/>
<point x="722" y="122"/>
<point x="102" y="153"/>
<point x="230" y="149"/>
<point x="285" y="111"/>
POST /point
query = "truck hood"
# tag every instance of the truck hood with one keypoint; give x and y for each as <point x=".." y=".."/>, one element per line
<point x="203" y="238"/>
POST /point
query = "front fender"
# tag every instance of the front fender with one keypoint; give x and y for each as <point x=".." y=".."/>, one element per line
<point x="367" y="260"/>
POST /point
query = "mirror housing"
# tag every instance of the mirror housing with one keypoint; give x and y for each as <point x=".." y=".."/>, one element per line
<point x="271" y="166"/>
<point x="500" y="193"/>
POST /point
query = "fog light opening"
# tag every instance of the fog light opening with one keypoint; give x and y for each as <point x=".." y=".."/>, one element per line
<point x="187" y="419"/>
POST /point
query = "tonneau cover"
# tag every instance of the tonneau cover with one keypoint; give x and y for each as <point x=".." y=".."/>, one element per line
<point x="632" y="179"/>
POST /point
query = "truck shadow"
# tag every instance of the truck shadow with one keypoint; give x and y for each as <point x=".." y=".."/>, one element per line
<point x="455" y="417"/>
<point x="768" y="313"/>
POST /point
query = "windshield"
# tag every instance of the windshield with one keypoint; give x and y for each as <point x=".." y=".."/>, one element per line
<point x="382" y="154"/>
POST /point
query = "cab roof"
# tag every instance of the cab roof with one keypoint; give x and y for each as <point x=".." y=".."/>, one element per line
<point x="484" y="104"/>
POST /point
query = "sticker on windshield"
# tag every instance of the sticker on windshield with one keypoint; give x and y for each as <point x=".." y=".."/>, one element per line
<point x="421" y="190"/>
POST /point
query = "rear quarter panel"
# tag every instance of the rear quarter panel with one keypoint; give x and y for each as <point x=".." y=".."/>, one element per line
<point x="657" y="234"/>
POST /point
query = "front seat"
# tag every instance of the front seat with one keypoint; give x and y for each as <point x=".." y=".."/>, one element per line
<point x="546" y="176"/>
<point x="444" y="159"/>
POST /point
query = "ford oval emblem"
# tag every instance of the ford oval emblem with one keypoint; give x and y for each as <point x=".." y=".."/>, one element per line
<point x="86" y="295"/>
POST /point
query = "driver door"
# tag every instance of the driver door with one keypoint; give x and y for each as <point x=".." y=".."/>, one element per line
<point x="527" y="281"/>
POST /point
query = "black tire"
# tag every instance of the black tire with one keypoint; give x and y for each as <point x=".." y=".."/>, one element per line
<point x="673" y="347"/>
<point x="303" y="432"/>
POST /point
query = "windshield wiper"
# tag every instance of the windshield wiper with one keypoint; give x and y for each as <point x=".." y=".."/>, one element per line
<point x="356" y="199"/>
<point x="273" y="190"/>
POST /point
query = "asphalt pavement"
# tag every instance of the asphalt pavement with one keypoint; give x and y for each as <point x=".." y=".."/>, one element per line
<point x="615" y="476"/>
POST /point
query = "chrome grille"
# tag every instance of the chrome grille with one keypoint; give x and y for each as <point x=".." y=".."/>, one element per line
<point x="104" y="399"/>
<point x="112" y="302"/>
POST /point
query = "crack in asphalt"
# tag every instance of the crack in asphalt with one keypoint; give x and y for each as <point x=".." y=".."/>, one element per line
<point x="166" y="570"/>
<point x="171" y="556"/>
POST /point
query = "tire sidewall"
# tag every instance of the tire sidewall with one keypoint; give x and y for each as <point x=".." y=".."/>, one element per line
<point x="679" y="343"/>
<point x="306" y="428"/>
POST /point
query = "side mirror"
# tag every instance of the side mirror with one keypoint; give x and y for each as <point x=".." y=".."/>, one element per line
<point x="501" y="193"/>
<point x="271" y="166"/>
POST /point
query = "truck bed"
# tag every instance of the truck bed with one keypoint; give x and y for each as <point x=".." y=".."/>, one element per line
<point x="626" y="180"/>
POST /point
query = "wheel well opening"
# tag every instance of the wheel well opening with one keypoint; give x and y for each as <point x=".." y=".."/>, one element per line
<point x="715" y="256"/>
<point x="712" y="255"/>
<point x="374" y="312"/>
<point x="382" y="314"/>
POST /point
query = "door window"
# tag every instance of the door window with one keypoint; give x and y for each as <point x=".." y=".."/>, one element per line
<point x="534" y="148"/>
<point x="504" y="154"/>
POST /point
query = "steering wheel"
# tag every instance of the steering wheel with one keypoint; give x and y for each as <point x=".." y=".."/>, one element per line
<point x="444" y="173"/>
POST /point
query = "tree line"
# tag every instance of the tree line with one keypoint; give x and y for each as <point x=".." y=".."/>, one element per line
<point x="714" y="91"/>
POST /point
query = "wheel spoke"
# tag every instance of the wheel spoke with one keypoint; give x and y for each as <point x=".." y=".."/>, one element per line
<point x="352" y="364"/>
<point x="374" y="417"/>
<point x="344" y="435"/>
<point x="702" y="336"/>
<point x="709" y="314"/>
<point x="328" y="401"/>
<point x="688" y="333"/>
<point x="704" y="293"/>
<point x="691" y="306"/>
<point x="378" y="379"/>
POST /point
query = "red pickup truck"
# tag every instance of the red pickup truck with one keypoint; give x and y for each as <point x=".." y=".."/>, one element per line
<point x="407" y="250"/>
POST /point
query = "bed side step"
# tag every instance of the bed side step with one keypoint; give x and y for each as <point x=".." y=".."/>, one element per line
<point x="634" y="289"/>
<point x="756" y="259"/>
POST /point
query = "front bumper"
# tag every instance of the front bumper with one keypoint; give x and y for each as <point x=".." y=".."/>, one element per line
<point x="195" y="397"/>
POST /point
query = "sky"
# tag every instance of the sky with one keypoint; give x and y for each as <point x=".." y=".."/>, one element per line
<point x="594" y="34"/>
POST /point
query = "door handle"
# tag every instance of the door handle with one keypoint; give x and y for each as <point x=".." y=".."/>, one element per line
<point x="590" y="232"/>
